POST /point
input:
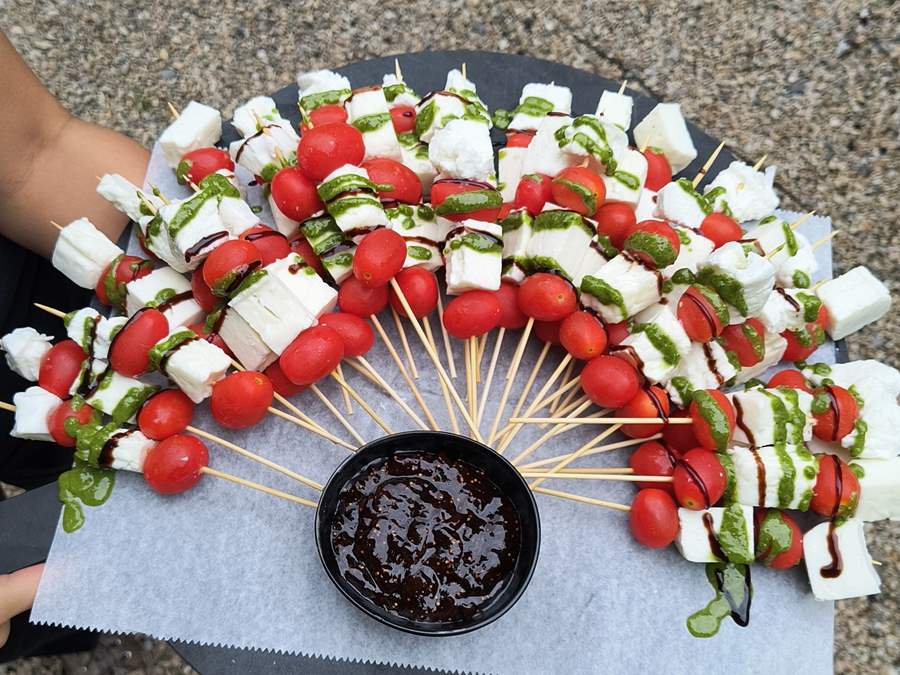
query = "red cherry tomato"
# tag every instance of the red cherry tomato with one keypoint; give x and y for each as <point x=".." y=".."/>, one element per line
<point x="241" y="399"/>
<point x="615" y="220"/>
<point x="836" y="492"/>
<point x="325" y="114"/>
<point x="658" y="170"/>
<point x="128" y="353"/>
<point x="202" y="293"/>
<point x="582" y="335"/>
<point x="405" y="184"/>
<point x="323" y="149"/>
<point x="511" y="318"/>
<point x="420" y="287"/>
<point x="60" y="366"/>
<point x="533" y="192"/>
<point x="355" y="332"/>
<point x="379" y="257"/>
<point x="698" y="315"/>
<point x="295" y="194"/>
<point x="579" y="189"/>
<point x="713" y="419"/>
<point x="198" y="164"/>
<point x="166" y="413"/>
<point x="801" y="344"/>
<point x="403" y="118"/>
<point x="616" y="332"/>
<point x="779" y="519"/>
<point x="699" y="479"/>
<point x="651" y="401"/>
<point x="747" y="341"/>
<point x="547" y="297"/>
<point x="280" y="383"/>
<point x="505" y="209"/>
<point x="75" y="409"/>
<point x="653" y="242"/>
<point x="270" y="244"/>
<point x="444" y="188"/>
<point x="312" y="355"/>
<point x="653" y="518"/>
<point x="653" y="459"/>
<point x="128" y="268"/>
<point x="789" y="378"/>
<point x="175" y="464"/>
<point x="548" y="331"/>
<point x="720" y="229"/>
<point x="304" y="249"/>
<point x="228" y="264"/>
<point x="361" y="300"/>
<point x="200" y="330"/>
<point x="837" y="420"/>
<point x="472" y="314"/>
<point x="609" y="382"/>
<point x="518" y="139"/>
<point x="679" y="437"/>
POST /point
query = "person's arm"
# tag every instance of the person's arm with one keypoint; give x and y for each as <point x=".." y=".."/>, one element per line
<point x="50" y="161"/>
<point x="17" y="592"/>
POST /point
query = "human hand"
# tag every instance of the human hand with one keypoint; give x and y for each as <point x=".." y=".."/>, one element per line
<point x="17" y="595"/>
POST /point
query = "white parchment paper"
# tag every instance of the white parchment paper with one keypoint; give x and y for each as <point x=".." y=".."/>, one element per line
<point x="224" y="565"/>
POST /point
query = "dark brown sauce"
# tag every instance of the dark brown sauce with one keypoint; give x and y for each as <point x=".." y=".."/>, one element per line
<point x="660" y="279"/>
<point x="240" y="150"/>
<point x="788" y="298"/>
<point x="254" y="236"/>
<point x="361" y="90"/>
<point x="174" y="300"/>
<point x="426" y="537"/>
<point x="714" y="545"/>
<point x="704" y="310"/>
<point x="85" y="384"/>
<point x="833" y="569"/>
<point x="838" y="486"/>
<point x="198" y="248"/>
<point x="754" y="243"/>
<point x="833" y="404"/>
<point x="296" y="267"/>
<point x="464" y="181"/>
<point x="658" y="404"/>
<point x="430" y="95"/>
<point x="740" y="611"/>
<point x="760" y="477"/>
<point x="739" y="421"/>
<point x="424" y="240"/>
<point x="238" y="278"/>
<point x="106" y="454"/>
<point x="711" y="364"/>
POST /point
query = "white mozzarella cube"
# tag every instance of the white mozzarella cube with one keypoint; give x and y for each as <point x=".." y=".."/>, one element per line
<point x="459" y="83"/>
<point x="106" y="331"/>
<point x="747" y="194"/>
<point x="854" y="300"/>
<point x="544" y="154"/>
<point x="777" y="477"/>
<point x="646" y="206"/>
<point x="195" y="366"/>
<point x="416" y="159"/>
<point x="772" y="416"/>
<point x="874" y="434"/>
<point x="743" y="278"/>
<point x="24" y="349"/>
<point x="198" y="126"/>
<point x="593" y="259"/>
<point x="236" y="215"/>
<point x="264" y="153"/>
<point x="789" y="251"/>
<point x="368" y="111"/>
<point x="83" y="252"/>
<point x="879" y="488"/>
<point x="536" y="101"/>
<point x="658" y="341"/>
<point x="462" y="149"/>
<point x="32" y="409"/>
<point x="434" y="112"/>
<point x="88" y="375"/>
<point x="245" y="343"/>
<point x="119" y="396"/>
<point x="589" y="136"/>
<point x="693" y="539"/>
<point x="615" y="108"/>
<point x="160" y="285"/>
<point x="81" y="326"/>
<point x="126" y="450"/>
<point x="620" y="289"/>
<point x="397" y="92"/>
<point x="558" y="241"/>
<point x="282" y="223"/>
<point x="509" y="171"/>
<point x="848" y="573"/>
<point x="517" y="229"/>
<point x="473" y="257"/>
<point x="303" y="282"/>
<point x="694" y="249"/>
<point x="320" y="87"/>
<point x="125" y="195"/>
<point x="195" y="235"/>
<point x="424" y="236"/>
<point x="782" y="312"/>
<point x="357" y="214"/>
<point x="258" y="110"/>
<point x="678" y="202"/>
<point x="627" y="183"/>
<point x="664" y="128"/>
<point x="339" y="263"/>
<point x="860" y="374"/>
<point x="705" y="366"/>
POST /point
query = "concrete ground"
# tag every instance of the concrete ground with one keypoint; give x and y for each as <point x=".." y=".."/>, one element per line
<point x="813" y="85"/>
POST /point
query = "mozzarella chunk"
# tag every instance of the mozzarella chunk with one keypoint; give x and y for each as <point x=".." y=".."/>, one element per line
<point x="620" y="289"/>
<point x="705" y="366"/>
<point x="160" y="285"/>
<point x="424" y="236"/>
<point x="543" y="153"/>
<point x="627" y="183"/>
<point x="127" y="451"/>
<point x="780" y="476"/>
<point x="693" y="536"/>
<point x="772" y="416"/>
<point x="517" y="229"/>
<point x="856" y="576"/>
<point x="198" y="126"/>
<point x="368" y="111"/>
<point x="558" y="241"/>
<point x="321" y="87"/>
<point x="694" y="249"/>
<point x="646" y="206"/>
<point x="247" y="117"/>
<point x="263" y="153"/>
<point x="24" y="348"/>
<point x="194" y="227"/>
<point x="195" y="366"/>
<point x="856" y="373"/>
<point x="874" y="434"/>
<point x="775" y="346"/>
<point x="303" y="282"/>
<point x="659" y="342"/>
<point x="743" y="278"/>
<point x="396" y="91"/>
<point x="593" y="259"/>
<point x="81" y="326"/>
<point x="589" y="136"/>
<point x="119" y="396"/>
<point x="416" y="159"/>
<point x="664" y="128"/>
<point x="357" y="214"/>
<point x="339" y="263"/>
<point x="245" y="343"/>
<point x="853" y="300"/>
<point x="879" y="488"/>
<point x="615" y="108"/>
<point x="473" y="257"/>
<point x="780" y="313"/>
<point x="745" y="193"/>
<point x="536" y="101"/>
<point x="509" y="169"/>
<point x="83" y="252"/>
<point x="125" y="195"/>
<point x="236" y="215"/>
<point x="283" y="224"/>
<point x="678" y="202"/>
<point x="462" y="149"/>
<point x="435" y="112"/>
<point x="33" y="406"/>
<point x="106" y="331"/>
<point x="789" y="251"/>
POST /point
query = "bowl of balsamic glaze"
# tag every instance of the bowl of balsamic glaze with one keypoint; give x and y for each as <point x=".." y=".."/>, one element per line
<point x="428" y="532"/>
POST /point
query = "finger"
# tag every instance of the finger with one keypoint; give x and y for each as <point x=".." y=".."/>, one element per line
<point x="17" y="591"/>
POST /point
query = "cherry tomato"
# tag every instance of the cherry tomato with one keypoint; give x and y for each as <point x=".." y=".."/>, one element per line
<point x="518" y="139"/>
<point x="651" y="401"/>
<point x="789" y="378"/>
<point x="472" y="314"/>
<point x="241" y="399"/>
<point x="658" y="170"/>
<point x="720" y="229"/>
<point x="615" y="220"/>
<point x="699" y="479"/>
<point x="836" y="492"/>
<point x="304" y="249"/>
<point x="747" y="341"/>
<point x="447" y="187"/>
<point x="354" y="331"/>
<point x="713" y="419"/>
<point x="548" y="331"/>
<point x="403" y="118"/>
<point x="698" y="315"/>
<point x="379" y="257"/>
<point x="582" y="335"/>
<point x="166" y="413"/>
<point x="801" y="344"/>
<point x="547" y="297"/>
<point x="653" y="518"/>
<point x="228" y="264"/>
<point x="653" y="459"/>
<point x="405" y="184"/>
<point x="420" y="287"/>
<point x="128" y="268"/>
<point x="609" y="382"/>
<point x="653" y="242"/>
<point x="579" y="189"/>
<point x="198" y="164"/>
<point x="200" y="330"/>
<point x="329" y="113"/>
<point x="358" y="299"/>
<point x="505" y="209"/>
<point x="75" y="409"/>
<point x="312" y="355"/>
<point x="129" y="352"/>
<point x="270" y="244"/>
<point x="511" y="318"/>
<point x="324" y="148"/>
<point x="679" y="437"/>
<point x="202" y="293"/>
<point x="778" y="520"/>
<point x="60" y="366"/>
<point x="175" y="464"/>
<point x="837" y="420"/>
<point x="533" y="192"/>
<point x="295" y="194"/>
<point x="280" y="383"/>
<point x="616" y="332"/>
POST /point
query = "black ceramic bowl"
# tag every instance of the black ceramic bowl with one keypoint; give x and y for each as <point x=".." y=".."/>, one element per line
<point x="500" y="472"/>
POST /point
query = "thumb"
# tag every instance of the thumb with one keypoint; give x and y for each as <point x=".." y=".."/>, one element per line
<point x="17" y="591"/>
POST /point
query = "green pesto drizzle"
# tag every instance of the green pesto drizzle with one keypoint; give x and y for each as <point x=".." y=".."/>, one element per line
<point x="467" y="202"/>
<point x="369" y="123"/>
<point x="562" y="220"/>
<point x="477" y="242"/>
<point x="733" y="594"/>
<point x="775" y="537"/>
<point x="658" y="247"/>
<point x="661" y="342"/>
<point x="715" y="418"/>
<point x="801" y="279"/>
<point x="604" y="293"/>
<point x="345" y="183"/>
<point x="733" y="535"/>
<point x="317" y="100"/>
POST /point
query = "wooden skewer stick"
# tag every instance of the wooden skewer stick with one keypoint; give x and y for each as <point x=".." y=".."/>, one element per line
<point x="401" y="331"/>
<point x="470" y="348"/>
<point x="313" y="428"/>
<point x="578" y="453"/>
<point x="254" y="457"/>
<point x="567" y="377"/>
<point x="343" y="421"/>
<point x="601" y="420"/>
<point x="510" y="378"/>
<point x="828" y="237"/>
<point x="173" y="110"/>
<point x="622" y="88"/>
<point x="593" y="451"/>
<point x="366" y="368"/>
<point x="463" y="70"/>
<point x="451" y="363"/>
<point x="597" y="476"/>
<point x="555" y="430"/>
<point x="50" y="310"/>
<point x="759" y="163"/>
<point x="532" y="376"/>
<point x="589" y="471"/>
<point x="708" y="164"/>
<point x="7" y="406"/>
<point x="348" y="405"/>
<point x="160" y="195"/>
<point x="448" y="402"/>
<point x="802" y="219"/>
<point x="489" y="379"/>
<point x="562" y="391"/>
<point x="56" y="225"/>
<point x="397" y="70"/>
<point x="816" y="286"/>
<point x="583" y="500"/>
<point x="256" y="486"/>
<point x="362" y="403"/>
